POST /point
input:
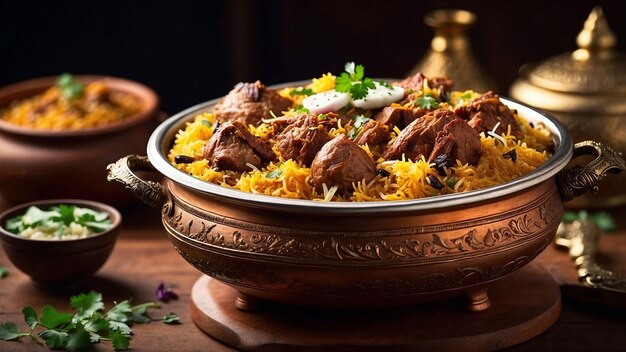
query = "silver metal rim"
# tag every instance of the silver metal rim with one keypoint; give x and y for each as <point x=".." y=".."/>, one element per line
<point x="163" y="136"/>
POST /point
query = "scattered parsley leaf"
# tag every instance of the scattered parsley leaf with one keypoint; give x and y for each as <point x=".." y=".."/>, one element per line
<point x="9" y="331"/>
<point x="359" y="72"/>
<point x="78" y="339"/>
<point x="3" y="271"/>
<point x="360" y="120"/>
<point x="86" y="304"/>
<point x="171" y="318"/>
<point x="121" y="327"/>
<point x="467" y="96"/>
<point x="96" y="323"/>
<point x="301" y="109"/>
<point x="451" y="182"/>
<point x="70" y="88"/>
<point x="343" y="83"/>
<point x="385" y="84"/>
<point x="30" y="317"/>
<point x="354" y="81"/>
<point x="54" y="339"/>
<point x="274" y="174"/>
<point x="301" y="91"/>
<point x="119" y="341"/>
<point x="207" y="123"/>
<point x="428" y="102"/>
<point x="51" y="319"/>
<point x="120" y="312"/>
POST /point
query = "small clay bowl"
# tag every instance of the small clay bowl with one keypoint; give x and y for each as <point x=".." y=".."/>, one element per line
<point x="56" y="264"/>
<point x="47" y="164"/>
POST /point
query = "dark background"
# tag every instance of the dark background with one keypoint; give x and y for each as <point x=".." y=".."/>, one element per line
<point x="193" y="51"/>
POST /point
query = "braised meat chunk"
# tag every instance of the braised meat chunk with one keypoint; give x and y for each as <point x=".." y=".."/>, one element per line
<point x="459" y="141"/>
<point x="303" y="138"/>
<point x="416" y="83"/>
<point x="397" y="115"/>
<point x="373" y="133"/>
<point x="418" y="138"/>
<point x="233" y="147"/>
<point x="484" y="113"/>
<point x="249" y="103"/>
<point x="341" y="163"/>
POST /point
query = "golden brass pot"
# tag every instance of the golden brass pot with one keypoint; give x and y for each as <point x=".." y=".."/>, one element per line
<point x="371" y="254"/>
<point x="586" y="90"/>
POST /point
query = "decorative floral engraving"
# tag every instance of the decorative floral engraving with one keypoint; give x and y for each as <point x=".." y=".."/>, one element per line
<point x="550" y="211"/>
<point x="342" y="250"/>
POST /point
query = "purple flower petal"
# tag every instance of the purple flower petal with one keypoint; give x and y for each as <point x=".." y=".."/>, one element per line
<point x="164" y="294"/>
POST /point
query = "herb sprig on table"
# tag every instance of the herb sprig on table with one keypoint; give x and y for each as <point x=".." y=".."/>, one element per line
<point x="89" y="325"/>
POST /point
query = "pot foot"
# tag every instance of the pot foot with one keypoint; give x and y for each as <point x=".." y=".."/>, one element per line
<point x="478" y="300"/>
<point x="247" y="303"/>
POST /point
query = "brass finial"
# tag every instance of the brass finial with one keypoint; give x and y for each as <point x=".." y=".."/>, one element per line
<point x="596" y="34"/>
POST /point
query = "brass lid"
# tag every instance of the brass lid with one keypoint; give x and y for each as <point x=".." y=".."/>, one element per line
<point x="595" y="69"/>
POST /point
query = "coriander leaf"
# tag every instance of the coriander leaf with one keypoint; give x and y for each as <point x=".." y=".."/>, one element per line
<point x="358" y="91"/>
<point x="95" y="215"/>
<point x="54" y="338"/>
<point x="70" y="88"/>
<point x="30" y="317"/>
<point x="15" y="224"/>
<point x="301" y="109"/>
<point x="121" y="327"/>
<point x="343" y="83"/>
<point x="451" y="182"/>
<point x="427" y="102"/>
<point x="86" y="304"/>
<point x="94" y="338"/>
<point x="360" y="120"/>
<point x="9" y="331"/>
<point x="274" y="174"/>
<point x="96" y="323"/>
<point x="359" y="72"/>
<point x="66" y="214"/>
<point x="35" y="216"/>
<point x="3" y="272"/>
<point x="139" y="318"/>
<point x="301" y="91"/>
<point x="171" y="318"/>
<point x="385" y="84"/>
<point x="51" y="319"/>
<point x="120" y="312"/>
<point x="140" y="312"/>
<point x="119" y="341"/>
<point x="79" y="338"/>
<point x="207" y="123"/>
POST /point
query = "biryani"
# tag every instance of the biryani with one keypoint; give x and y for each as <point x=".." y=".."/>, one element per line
<point x="71" y="105"/>
<point x="351" y="138"/>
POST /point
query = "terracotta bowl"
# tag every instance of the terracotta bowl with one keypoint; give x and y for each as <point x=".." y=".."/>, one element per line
<point x="62" y="263"/>
<point x="40" y="164"/>
<point x="370" y="254"/>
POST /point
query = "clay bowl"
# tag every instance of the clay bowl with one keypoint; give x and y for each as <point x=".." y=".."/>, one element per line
<point x="40" y="164"/>
<point x="53" y="264"/>
<point x="363" y="255"/>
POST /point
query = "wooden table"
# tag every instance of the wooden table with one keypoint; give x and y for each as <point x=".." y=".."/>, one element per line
<point x="143" y="257"/>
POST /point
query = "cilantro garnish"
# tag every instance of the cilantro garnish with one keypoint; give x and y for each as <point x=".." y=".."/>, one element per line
<point x="301" y="91"/>
<point x="207" y="123"/>
<point x="358" y="122"/>
<point x="428" y="102"/>
<point x="385" y="84"/>
<point x="301" y="109"/>
<point x="89" y="325"/>
<point x="70" y="88"/>
<point x="353" y="81"/>
<point x="451" y="182"/>
<point x="464" y="97"/>
<point x="274" y="174"/>
<point x="3" y="272"/>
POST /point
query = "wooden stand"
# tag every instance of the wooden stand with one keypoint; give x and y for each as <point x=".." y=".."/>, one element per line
<point x="523" y="305"/>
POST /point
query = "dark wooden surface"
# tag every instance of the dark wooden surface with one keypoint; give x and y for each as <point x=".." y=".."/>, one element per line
<point x="143" y="257"/>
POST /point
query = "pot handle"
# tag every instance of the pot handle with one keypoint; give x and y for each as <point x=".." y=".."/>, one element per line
<point x="577" y="180"/>
<point x="150" y="192"/>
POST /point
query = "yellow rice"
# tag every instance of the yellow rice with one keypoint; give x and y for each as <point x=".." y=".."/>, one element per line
<point x="70" y="115"/>
<point x="407" y="180"/>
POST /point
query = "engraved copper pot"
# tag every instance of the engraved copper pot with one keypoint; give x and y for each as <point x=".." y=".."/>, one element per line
<point x="372" y="254"/>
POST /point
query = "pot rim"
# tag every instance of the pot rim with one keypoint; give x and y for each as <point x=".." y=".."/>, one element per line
<point x="163" y="136"/>
<point x="146" y="95"/>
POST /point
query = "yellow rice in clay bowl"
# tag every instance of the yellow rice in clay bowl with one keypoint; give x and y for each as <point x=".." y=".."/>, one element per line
<point x="504" y="151"/>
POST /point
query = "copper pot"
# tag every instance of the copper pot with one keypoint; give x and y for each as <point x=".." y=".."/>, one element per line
<point x="372" y="254"/>
<point x="40" y="164"/>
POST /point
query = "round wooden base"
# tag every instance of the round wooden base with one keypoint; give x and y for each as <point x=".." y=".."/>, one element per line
<point x="523" y="305"/>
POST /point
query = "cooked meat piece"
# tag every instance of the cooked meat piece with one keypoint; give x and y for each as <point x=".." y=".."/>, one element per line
<point x="97" y="93"/>
<point x="459" y="141"/>
<point x="444" y="84"/>
<point x="373" y="133"/>
<point x="341" y="163"/>
<point x="248" y="103"/>
<point x="400" y="116"/>
<point x="303" y="138"/>
<point x="415" y="82"/>
<point x="280" y="123"/>
<point x="232" y="147"/>
<point x="418" y="138"/>
<point x="485" y="112"/>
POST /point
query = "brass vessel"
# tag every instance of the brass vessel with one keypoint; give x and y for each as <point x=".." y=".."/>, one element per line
<point x="450" y="53"/>
<point x="367" y="254"/>
<point x="586" y="90"/>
